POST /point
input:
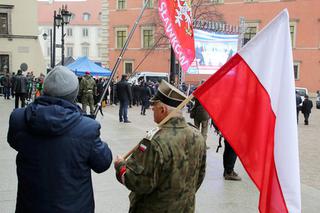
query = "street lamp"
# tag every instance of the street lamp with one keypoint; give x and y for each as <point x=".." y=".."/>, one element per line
<point x="59" y="20"/>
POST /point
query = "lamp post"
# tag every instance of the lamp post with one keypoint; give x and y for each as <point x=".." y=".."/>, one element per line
<point x="61" y="19"/>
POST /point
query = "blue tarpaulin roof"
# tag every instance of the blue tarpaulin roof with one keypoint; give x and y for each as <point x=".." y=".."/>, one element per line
<point x="83" y="64"/>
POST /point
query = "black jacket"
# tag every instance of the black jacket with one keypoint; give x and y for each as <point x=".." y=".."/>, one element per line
<point x="20" y="84"/>
<point x="57" y="148"/>
<point x="306" y="106"/>
<point x="124" y="91"/>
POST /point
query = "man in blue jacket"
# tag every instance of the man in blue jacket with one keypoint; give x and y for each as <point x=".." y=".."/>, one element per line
<point x="57" y="148"/>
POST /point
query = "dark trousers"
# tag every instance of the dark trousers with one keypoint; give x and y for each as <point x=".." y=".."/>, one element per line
<point x="6" y="92"/>
<point x="123" y="111"/>
<point x="143" y="109"/>
<point x="144" y="106"/>
<point x="306" y="118"/>
<point x="22" y="97"/>
<point x="298" y="109"/>
<point x="12" y="92"/>
<point x="229" y="157"/>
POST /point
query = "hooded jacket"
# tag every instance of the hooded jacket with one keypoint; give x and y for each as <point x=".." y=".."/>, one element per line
<point x="57" y="148"/>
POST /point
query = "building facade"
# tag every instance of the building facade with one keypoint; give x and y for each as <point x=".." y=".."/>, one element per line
<point x="19" y="44"/>
<point x="83" y="35"/>
<point x="304" y="27"/>
<point x="142" y="55"/>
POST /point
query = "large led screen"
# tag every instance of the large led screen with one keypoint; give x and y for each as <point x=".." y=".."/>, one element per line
<point x="212" y="51"/>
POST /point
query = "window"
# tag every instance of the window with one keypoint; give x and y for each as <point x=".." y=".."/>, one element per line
<point x="69" y="32"/>
<point x="100" y="51"/>
<point x="85" y="51"/>
<point x="4" y="22"/>
<point x="86" y="16"/>
<point x="250" y="0"/>
<point x="100" y="32"/>
<point x="217" y="1"/>
<point x="4" y="63"/>
<point x="5" y="19"/>
<point x="293" y="33"/>
<point x="150" y="3"/>
<point x="250" y="32"/>
<point x="128" y="67"/>
<point x="121" y="4"/>
<point x="85" y="32"/>
<point x="100" y="16"/>
<point x="69" y="51"/>
<point x="73" y="16"/>
<point x="296" y="69"/>
<point x="121" y="36"/>
<point x="147" y="38"/>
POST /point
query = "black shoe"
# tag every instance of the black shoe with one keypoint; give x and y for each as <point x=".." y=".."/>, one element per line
<point x="127" y="122"/>
<point x="120" y="120"/>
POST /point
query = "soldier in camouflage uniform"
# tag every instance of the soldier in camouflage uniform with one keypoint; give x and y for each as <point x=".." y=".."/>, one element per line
<point x="87" y="90"/>
<point x="168" y="167"/>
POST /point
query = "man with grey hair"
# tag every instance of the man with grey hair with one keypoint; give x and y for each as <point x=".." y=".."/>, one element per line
<point x="168" y="167"/>
<point x="57" y="148"/>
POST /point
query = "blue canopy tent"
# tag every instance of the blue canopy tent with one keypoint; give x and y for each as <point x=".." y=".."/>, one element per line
<point x="83" y="64"/>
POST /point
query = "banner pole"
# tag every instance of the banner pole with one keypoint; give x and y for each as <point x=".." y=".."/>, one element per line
<point x="114" y="70"/>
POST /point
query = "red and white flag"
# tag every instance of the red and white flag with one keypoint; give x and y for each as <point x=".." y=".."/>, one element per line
<point x="252" y="101"/>
<point x="177" y="20"/>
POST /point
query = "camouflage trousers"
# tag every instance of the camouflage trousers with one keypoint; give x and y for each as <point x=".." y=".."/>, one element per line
<point x="87" y="99"/>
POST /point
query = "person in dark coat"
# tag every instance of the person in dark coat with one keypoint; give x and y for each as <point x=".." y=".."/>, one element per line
<point x="306" y="109"/>
<point x="20" y="89"/>
<point x="298" y="102"/>
<point x="113" y="93"/>
<point x="6" y="86"/>
<point x="12" y="80"/>
<point x="125" y="97"/>
<point x="201" y="118"/>
<point x="57" y="148"/>
<point x="145" y="95"/>
<point x="136" y="95"/>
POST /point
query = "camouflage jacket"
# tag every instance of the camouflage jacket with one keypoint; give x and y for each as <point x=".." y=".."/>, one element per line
<point x="87" y="85"/>
<point x="166" y="170"/>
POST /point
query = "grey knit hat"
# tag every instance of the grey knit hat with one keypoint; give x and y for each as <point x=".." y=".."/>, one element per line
<point x="61" y="83"/>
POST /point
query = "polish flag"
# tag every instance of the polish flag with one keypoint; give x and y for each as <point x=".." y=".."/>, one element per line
<point x="251" y="99"/>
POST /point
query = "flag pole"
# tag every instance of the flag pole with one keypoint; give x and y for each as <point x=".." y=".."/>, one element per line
<point x="170" y="115"/>
<point x="114" y="70"/>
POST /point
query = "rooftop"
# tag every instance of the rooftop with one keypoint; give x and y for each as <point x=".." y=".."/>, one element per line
<point x="92" y="9"/>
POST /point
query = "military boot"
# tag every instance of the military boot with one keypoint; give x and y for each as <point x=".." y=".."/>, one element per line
<point x="231" y="176"/>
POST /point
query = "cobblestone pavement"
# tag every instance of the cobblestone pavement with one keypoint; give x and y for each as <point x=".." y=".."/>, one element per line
<point x="215" y="194"/>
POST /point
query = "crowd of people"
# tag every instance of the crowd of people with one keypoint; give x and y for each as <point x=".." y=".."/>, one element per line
<point x="58" y="143"/>
<point x="22" y="87"/>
